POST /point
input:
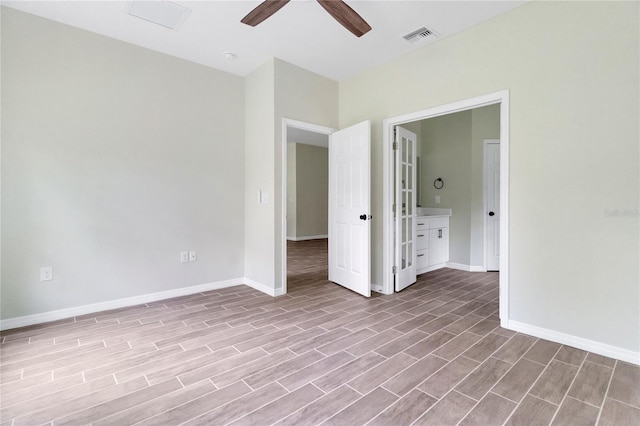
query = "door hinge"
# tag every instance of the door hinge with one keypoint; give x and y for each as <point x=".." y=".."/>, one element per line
<point x="394" y="270"/>
<point x="395" y="146"/>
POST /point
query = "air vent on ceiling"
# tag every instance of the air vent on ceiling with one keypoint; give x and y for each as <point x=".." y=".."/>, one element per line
<point x="419" y="34"/>
<point x="165" y="13"/>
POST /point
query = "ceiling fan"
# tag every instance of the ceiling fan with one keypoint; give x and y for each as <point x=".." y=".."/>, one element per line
<point x="340" y="11"/>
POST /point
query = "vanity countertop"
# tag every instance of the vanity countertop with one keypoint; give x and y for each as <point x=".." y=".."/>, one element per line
<point x="433" y="212"/>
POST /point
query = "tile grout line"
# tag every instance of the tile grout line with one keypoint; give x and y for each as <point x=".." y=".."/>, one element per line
<point x="585" y="402"/>
<point x="489" y="391"/>
<point x="606" y="393"/>
<point x="444" y="292"/>
<point x="179" y="405"/>
<point x="506" y="399"/>
<point x="533" y="382"/>
<point x="302" y="407"/>
<point x="622" y="402"/>
<point x="570" y="384"/>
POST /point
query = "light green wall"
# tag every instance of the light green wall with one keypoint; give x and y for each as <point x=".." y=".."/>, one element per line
<point x="446" y="154"/>
<point x="114" y="159"/>
<point x="312" y="189"/>
<point x="574" y="108"/>
<point x="452" y="148"/>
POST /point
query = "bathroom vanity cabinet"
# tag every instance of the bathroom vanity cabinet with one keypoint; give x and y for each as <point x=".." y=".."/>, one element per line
<point x="432" y="243"/>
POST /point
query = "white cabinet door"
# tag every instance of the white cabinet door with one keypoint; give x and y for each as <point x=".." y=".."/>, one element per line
<point x="350" y="208"/>
<point x="438" y="245"/>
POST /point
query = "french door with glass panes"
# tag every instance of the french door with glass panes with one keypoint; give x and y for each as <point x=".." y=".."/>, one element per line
<point x="404" y="207"/>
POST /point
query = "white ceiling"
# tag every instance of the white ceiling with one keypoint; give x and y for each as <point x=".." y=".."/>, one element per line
<point x="301" y="33"/>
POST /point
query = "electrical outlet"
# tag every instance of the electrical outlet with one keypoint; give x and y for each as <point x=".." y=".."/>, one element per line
<point x="193" y="256"/>
<point x="184" y="256"/>
<point x="46" y="273"/>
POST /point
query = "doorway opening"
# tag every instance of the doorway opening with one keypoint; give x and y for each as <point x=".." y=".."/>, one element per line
<point x="501" y="99"/>
<point x="309" y="138"/>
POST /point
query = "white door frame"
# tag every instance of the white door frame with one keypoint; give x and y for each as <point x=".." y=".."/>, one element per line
<point x="501" y="98"/>
<point x="286" y="124"/>
<point x="485" y="190"/>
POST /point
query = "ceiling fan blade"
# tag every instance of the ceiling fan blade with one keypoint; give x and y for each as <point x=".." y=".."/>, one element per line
<point x="348" y="17"/>
<point x="263" y="11"/>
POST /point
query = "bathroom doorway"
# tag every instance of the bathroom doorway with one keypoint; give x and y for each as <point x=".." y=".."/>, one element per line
<point x="499" y="100"/>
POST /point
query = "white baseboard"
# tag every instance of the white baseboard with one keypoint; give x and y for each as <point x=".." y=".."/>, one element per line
<point x="274" y="292"/>
<point x="378" y="288"/>
<point x="554" y="336"/>
<point x="43" y="317"/>
<point x="311" y="237"/>
<point x="576" y="342"/>
<point x="430" y="268"/>
<point x="467" y="268"/>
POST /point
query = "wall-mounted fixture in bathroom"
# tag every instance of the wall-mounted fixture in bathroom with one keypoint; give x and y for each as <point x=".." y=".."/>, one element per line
<point x="438" y="183"/>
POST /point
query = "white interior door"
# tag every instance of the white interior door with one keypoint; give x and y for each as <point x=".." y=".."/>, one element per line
<point x="350" y="208"/>
<point x="405" y="207"/>
<point x="492" y="203"/>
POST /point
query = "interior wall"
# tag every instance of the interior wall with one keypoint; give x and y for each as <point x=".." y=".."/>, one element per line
<point x="574" y="171"/>
<point x="115" y="159"/>
<point x="453" y="149"/>
<point x="303" y="96"/>
<point x="312" y="191"/>
<point x="274" y="91"/>
<point x="446" y="154"/>
<point x="259" y="187"/>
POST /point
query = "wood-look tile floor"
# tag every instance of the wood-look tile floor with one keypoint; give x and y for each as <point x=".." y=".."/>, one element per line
<point x="433" y="354"/>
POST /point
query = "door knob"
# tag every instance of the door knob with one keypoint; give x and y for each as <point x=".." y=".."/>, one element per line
<point x="491" y="213"/>
<point x="365" y="217"/>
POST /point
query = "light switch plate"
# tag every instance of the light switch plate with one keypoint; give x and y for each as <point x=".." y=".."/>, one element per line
<point x="46" y="273"/>
<point x="437" y="199"/>
<point x="193" y="256"/>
